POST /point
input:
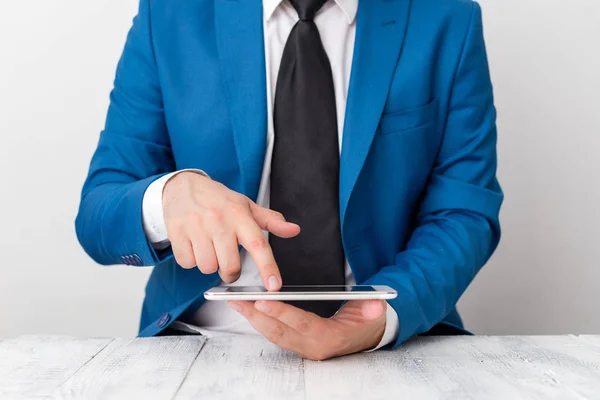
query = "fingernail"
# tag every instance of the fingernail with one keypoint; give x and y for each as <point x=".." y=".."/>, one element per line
<point x="273" y="283"/>
<point x="262" y="306"/>
<point x="236" y="307"/>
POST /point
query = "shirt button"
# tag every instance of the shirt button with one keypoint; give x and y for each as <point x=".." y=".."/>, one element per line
<point x="164" y="320"/>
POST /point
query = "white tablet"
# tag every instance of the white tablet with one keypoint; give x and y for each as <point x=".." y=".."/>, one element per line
<point x="289" y="293"/>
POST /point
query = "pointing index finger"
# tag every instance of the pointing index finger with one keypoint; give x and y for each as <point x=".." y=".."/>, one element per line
<point x="251" y="237"/>
<point x="274" y="222"/>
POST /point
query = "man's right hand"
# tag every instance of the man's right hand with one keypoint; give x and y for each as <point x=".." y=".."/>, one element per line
<point x="206" y="222"/>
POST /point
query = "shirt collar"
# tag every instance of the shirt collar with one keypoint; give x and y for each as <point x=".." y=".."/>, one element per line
<point x="349" y="7"/>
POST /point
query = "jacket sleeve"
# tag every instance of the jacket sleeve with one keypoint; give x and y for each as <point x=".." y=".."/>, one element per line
<point x="133" y="151"/>
<point x="458" y="227"/>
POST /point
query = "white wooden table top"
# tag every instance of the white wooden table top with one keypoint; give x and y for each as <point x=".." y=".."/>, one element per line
<point x="246" y="367"/>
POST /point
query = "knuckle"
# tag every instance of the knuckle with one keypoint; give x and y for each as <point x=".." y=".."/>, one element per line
<point x="231" y="269"/>
<point x="229" y="277"/>
<point x="270" y="267"/>
<point x="259" y="243"/>
<point x="207" y="266"/>
<point x="184" y="260"/>
<point x="240" y="198"/>
<point x="176" y="230"/>
<point x="276" y="334"/>
<point x="277" y="215"/>
<point x="186" y="264"/>
<point x="237" y="208"/>
<point x="213" y="215"/>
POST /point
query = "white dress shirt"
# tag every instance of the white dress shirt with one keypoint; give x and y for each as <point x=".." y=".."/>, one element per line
<point x="337" y="26"/>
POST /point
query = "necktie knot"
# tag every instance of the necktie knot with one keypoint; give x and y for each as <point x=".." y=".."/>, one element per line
<point x="307" y="9"/>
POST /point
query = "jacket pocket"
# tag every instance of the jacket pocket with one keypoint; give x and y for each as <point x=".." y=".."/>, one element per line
<point x="408" y="120"/>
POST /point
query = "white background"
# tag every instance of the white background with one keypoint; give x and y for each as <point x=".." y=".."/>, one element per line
<point x="57" y="63"/>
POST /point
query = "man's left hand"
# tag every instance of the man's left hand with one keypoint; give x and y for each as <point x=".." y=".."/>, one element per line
<point x="357" y="326"/>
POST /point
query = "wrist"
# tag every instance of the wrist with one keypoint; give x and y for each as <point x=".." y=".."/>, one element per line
<point x="179" y="180"/>
<point x="184" y="175"/>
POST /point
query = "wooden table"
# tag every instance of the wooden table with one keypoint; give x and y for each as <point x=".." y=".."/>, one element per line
<point x="242" y="367"/>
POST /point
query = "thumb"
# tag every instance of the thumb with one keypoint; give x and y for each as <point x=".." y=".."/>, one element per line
<point x="372" y="309"/>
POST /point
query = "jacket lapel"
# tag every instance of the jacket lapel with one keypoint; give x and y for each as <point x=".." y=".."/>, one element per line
<point x="380" y="31"/>
<point x="240" y="43"/>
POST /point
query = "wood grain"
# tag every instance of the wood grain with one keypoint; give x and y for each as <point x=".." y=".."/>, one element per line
<point x="146" y="368"/>
<point x="567" y="361"/>
<point x="437" y="367"/>
<point x="594" y="340"/>
<point x="249" y="367"/>
<point x="33" y="367"/>
<point x="244" y="367"/>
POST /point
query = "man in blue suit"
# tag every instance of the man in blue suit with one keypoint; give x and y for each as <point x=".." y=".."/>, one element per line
<point x="299" y="142"/>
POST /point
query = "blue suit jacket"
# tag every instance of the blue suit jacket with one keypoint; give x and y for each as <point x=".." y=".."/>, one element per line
<point x="419" y="199"/>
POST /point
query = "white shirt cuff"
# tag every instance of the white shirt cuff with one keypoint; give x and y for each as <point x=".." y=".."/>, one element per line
<point x="392" y="326"/>
<point x="152" y="211"/>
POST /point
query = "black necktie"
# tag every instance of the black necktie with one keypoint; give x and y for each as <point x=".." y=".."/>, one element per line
<point x="305" y="165"/>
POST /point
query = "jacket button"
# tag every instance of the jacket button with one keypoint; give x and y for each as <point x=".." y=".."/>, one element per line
<point x="164" y="320"/>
